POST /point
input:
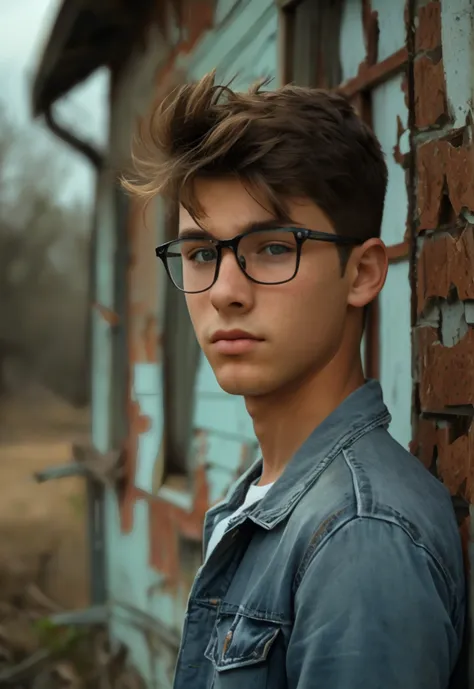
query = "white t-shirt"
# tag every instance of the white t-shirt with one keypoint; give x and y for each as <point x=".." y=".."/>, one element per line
<point x="254" y="494"/>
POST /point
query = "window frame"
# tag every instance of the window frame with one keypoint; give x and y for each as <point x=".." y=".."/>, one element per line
<point x="358" y="90"/>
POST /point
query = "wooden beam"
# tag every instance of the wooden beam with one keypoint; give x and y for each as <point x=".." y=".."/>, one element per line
<point x="370" y="77"/>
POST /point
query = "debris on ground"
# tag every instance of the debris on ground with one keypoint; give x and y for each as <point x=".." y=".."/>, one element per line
<point x="37" y="654"/>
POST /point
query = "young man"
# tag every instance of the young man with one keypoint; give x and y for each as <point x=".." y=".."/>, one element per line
<point x="335" y="561"/>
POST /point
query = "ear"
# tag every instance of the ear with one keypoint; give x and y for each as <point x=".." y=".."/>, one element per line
<point x="368" y="266"/>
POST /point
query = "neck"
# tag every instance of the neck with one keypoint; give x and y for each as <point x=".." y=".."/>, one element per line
<point x="284" y="419"/>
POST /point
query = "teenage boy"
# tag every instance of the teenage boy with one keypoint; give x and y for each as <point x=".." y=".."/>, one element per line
<point x="335" y="561"/>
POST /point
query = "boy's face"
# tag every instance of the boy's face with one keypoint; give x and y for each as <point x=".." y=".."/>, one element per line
<point x="301" y="325"/>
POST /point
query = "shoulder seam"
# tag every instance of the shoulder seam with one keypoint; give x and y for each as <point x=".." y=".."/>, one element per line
<point x="355" y="483"/>
<point x="316" y="545"/>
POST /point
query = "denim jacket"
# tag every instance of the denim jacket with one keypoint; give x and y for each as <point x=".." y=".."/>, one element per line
<point x="348" y="574"/>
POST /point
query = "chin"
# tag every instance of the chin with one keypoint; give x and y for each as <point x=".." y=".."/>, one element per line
<point x="241" y="380"/>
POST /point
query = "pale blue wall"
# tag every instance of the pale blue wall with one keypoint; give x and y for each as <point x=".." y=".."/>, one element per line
<point x="244" y="44"/>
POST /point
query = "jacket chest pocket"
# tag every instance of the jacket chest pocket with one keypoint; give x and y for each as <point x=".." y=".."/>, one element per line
<point x="240" y="650"/>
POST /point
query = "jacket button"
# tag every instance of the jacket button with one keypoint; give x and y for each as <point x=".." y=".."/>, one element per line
<point x="227" y="641"/>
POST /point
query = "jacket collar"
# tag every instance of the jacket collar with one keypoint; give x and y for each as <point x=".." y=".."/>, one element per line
<point x="358" y="414"/>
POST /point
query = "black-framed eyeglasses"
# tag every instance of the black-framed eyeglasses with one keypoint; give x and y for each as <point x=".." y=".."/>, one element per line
<point x="265" y="256"/>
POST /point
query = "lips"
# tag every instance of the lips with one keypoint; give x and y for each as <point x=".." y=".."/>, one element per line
<point x="234" y="341"/>
<point x="230" y="335"/>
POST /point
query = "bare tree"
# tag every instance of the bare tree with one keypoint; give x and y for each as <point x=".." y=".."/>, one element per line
<point x="43" y="268"/>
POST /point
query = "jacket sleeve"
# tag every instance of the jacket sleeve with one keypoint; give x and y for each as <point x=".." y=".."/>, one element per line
<point x="372" y="610"/>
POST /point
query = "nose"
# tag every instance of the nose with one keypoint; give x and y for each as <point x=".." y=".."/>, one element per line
<point x="232" y="289"/>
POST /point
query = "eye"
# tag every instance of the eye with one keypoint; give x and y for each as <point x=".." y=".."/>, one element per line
<point x="276" y="249"/>
<point x="205" y="255"/>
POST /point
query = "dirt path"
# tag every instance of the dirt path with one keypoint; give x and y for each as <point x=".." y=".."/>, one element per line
<point x="42" y="526"/>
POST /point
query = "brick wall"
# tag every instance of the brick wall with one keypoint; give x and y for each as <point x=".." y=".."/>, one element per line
<point x="443" y="271"/>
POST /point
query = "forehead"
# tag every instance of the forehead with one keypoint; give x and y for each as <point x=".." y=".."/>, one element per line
<point x="230" y="207"/>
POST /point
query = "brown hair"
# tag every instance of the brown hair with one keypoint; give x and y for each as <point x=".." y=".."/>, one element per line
<point x="290" y="142"/>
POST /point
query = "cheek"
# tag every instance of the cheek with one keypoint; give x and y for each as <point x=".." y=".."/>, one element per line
<point x="197" y="309"/>
<point x="311" y="311"/>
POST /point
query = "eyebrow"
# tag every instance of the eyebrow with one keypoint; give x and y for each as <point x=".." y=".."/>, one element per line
<point x="253" y="226"/>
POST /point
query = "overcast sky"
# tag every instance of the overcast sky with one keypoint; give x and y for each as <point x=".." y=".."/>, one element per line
<point x="24" y="28"/>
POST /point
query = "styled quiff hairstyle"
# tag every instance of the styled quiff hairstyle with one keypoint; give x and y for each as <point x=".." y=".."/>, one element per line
<point x="288" y="143"/>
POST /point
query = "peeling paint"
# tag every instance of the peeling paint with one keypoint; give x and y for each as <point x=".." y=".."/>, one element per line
<point x="469" y="312"/>
<point x="445" y="168"/>
<point x="447" y="450"/>
<point x="398" y="156"/>
<point x="110" y="317"/>
<point x="446" y="373"/>
<point x="428" y="33"/>
<point x="453" y="323"/>
<point x="456" y="463"/>
<point x="446" y="262"/>
<point x="443" y="269"/>
<point x="169" y="524"/>
<point x="431" y="108"/>
<point x="138" y="424"/>
<point x="457" y="36"/>
<point x="448" y="454"/>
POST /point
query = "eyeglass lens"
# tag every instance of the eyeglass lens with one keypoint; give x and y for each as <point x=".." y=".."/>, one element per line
<point x="267" y="256"/>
